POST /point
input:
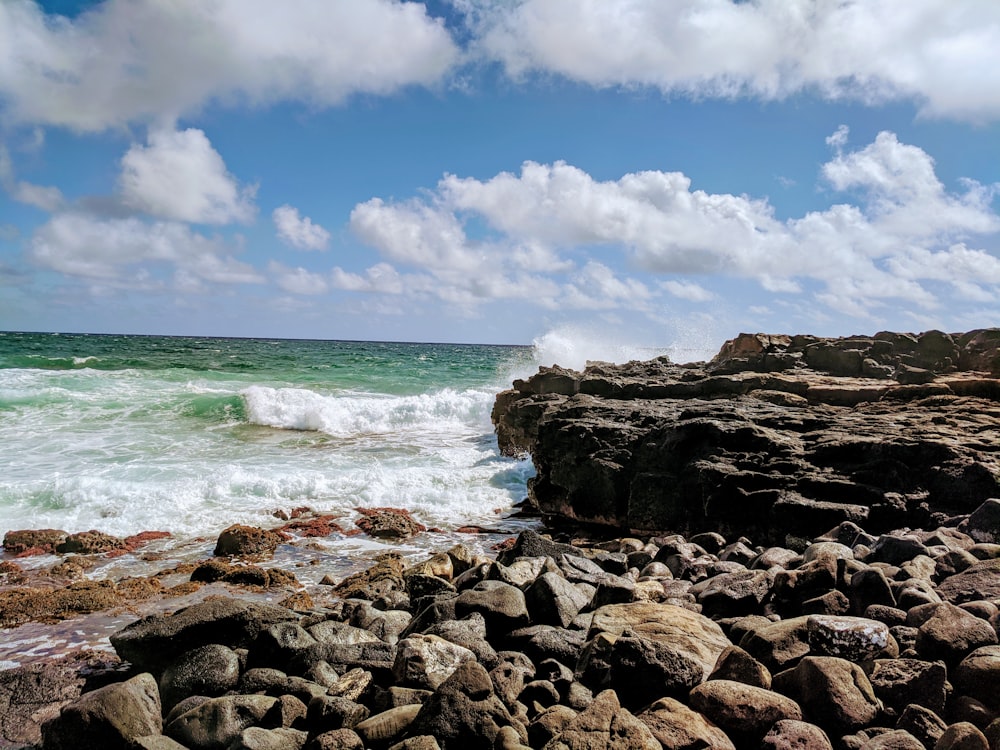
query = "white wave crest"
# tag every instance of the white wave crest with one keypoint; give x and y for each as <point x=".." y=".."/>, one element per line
<point x="347" y="415"/>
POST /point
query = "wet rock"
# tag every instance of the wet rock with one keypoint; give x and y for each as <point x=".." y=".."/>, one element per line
<point x="110" y="717"/>
<point x="33" y="541"/>
<point x="381" y="579"/>
<point x="90" y="543"/>
<point x="248" y="541"/>
<point x="388" y="523"/>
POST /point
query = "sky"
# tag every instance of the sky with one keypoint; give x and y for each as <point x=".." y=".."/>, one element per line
<point x="493" y="171"/>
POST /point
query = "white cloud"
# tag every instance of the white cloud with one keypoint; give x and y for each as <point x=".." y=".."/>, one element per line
<point x="46" y="198"/>
<point x="944" y="54"/>
<point x="688" y="290"/>
<point x="297" y="280"/>
<point x="178" y="175"/>
<point x="905" y="231"/>
<point x="125" y="60"/>
<point x="116" y="249"/>
<point x="299" y="231"/>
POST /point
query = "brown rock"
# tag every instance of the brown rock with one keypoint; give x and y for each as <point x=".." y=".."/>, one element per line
<point x="978" y="676"/>
<point x="789" y="734"/>
<point x="980" y="580"/>
<point x="248" y="541"/>
<point x="834" y="693"/>
<point x="388" y="523"/>
<point x="896" y="740"/>
<point x="677" y="727"/>
<point x="605" y="724"/>
<point x="951" y="633"/>
<point x="91" y="543"/>
<point x="743" y="712"/>
<point x="962" y="736"/>
<point x="901" y="682"/>
<point x="18" y="606"/>
<point x="382" y="578"/>
<point x="778" y="645"/>
<point x="737" y="665"/>
<point x="33" y="541"/>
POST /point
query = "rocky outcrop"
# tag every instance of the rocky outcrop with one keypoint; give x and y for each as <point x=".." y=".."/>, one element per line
<point x="778" y="437"/>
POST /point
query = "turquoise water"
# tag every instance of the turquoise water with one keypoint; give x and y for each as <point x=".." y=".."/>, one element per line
<point x="189" y="435"/>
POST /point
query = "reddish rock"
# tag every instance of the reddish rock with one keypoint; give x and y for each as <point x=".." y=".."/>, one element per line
<point x="90" y="543"/>
<point x="314" y="527"/>
<point x="22" y="605"/>
<point x="248" y="541"/>
<point x="33" y="541"/>
<point x="388" y="523"/>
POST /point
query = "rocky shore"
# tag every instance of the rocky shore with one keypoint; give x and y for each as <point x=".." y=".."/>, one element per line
<point x="796" y="545"/>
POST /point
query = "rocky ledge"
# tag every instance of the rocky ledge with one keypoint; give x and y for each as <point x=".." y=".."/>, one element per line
<point x="777" y="437"/>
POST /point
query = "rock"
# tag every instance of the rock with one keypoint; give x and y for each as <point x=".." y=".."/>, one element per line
<point x="548" y="724"/>
<point x="33" y="541"/>
<point x="896" y="740"/>
<point x="951" y="633"/>
<point x="282" y="738"/>
<point x="789" y="734"/>
<point x="552" y="600"/>
<point x="834" y="693"/>
<point x="737" y="665"/>
<point x="678" y="727"/>
<point x="388" y="523"/>
<point x="21" y="605"/>
<point x="502" y="606"/>
<point x="640" y="668"/>
<point x="695" y="638"/>
<point x="90" y="543"/>
<point x="464" y="712"/>
<point x="154" y="642"/>
<point x="425" y="661"/>
<point x="605" y="724"/>
<point x="983" y="524"/>
<point x="530" y="543"/>
<point x="110" y="717"/>
<point x="980" y="580"/>
<point x="978" y="675"/>
<point x="734" y="594"/>
<point x="922" y="723"/>
<point x="215" y="723"/>
<point x="207" y="670"/>
<point x="383" y="728"/>
<point x="248" y="541"/>
<point x="745" y="713"/>
<point x="381" y="579"/>
<point x="778" y="645"/>
<point x="34" y="693"/>
<point x="852" y="638"/>
<point x="901" y="682"/>
<point x="962" y="736"/>
<point x="326" y="713"/>
<point x="336" y="739"/>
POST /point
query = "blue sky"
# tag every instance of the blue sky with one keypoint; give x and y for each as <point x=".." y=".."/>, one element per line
<point x="491" y="171"/>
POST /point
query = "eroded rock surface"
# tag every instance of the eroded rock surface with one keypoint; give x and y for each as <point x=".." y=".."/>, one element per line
<point x="777" y="438"/>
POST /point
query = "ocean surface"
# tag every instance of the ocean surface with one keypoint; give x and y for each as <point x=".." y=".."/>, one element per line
<point x="189" y="435"/>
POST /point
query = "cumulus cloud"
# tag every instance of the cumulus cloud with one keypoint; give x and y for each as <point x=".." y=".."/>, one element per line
<point x="297" y="280"/>
<point x="125" y="60"/>
<point x="944" y="54"/>
<point x="44" y="197"/>
<point x="905" y="232"/>
<point x="299" y="231"/>
<point x="109" y="250"/>
<point x="178" y="175"/>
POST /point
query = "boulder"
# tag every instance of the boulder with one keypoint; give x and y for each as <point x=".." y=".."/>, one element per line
<point x="388" y="523"/>
<point x="901" y="682"/>
<point x="605" y="724"/>
<point x="248" y="541"/>
<point x="745" y="713"/>
<point x="640" y="669"/>
<point x="679" y="728"/>
<point x="834" y="693"/>
<point x="981" y="580"/>
<point x="853" y="638"/>
<point x="464" y="712"/>
<point x="789" y="734"/>
<point x="951" y="633"/>
<point x="207" y="670"/>
<point x="552" y="600"/>
<point x="110" y="717"/>
<point x="978" y="675"/>
<point x="502" y="606"/>
<point x="154" y="642"/>
<point x="962" y="736"/>
<point x="217" y="722"/>
<point x="33" y="541"/>
<point x="425" y="661"/>
<point x="737" y="665"/>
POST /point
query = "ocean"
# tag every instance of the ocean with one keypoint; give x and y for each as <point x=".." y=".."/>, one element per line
<point x="189" y="435"/>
